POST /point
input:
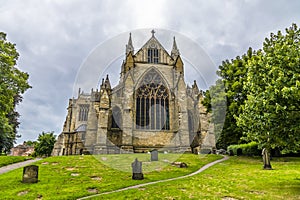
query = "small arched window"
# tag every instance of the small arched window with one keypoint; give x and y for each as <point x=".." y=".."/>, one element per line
<point x="152" y="103"/>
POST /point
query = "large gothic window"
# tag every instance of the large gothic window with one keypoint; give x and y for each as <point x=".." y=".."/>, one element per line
<point x="152" y="103"/>
<point x="153" y="55"/>
<point x="83" y="112"/>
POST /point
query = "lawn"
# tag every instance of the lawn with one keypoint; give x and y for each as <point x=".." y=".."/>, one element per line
<point x="7" y="160"/>
<point x="71" y="177"/>
<point x="236" y="178"/>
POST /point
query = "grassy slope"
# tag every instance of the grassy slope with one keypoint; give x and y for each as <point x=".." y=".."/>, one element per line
<point x="56" y="180"/>
<point x="238" y="178"/>
<point x="7" y="160"/>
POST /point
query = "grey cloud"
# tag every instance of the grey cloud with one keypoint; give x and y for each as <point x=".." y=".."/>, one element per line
<point x="55" y="37"/>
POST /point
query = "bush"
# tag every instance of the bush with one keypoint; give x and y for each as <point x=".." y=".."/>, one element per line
<point x="250" y="149"/>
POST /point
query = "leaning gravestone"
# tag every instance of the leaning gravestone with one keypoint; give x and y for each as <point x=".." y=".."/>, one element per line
<point x="30" y="174"/>
<point x="137" y="170"/>
<point x="154" y="155"/>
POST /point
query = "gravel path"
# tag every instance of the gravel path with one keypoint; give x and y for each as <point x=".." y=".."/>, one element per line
<point x="8" y="168"/>
<point x="161" y="181"/>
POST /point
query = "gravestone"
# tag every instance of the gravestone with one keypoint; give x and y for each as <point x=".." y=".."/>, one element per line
<point x="231" y="152"/>
<point x="239" y="152"/>
<point x="30" y="174"/>
<point x="154" y="155"/>
<point x="137" y="173"/>
<point x="205" y="151"/>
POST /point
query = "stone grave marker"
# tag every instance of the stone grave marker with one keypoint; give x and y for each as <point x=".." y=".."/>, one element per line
<point x="30" y="174"/>
<point x="231" y="152"/>
<point x="154" y="155"/>
<point x="239" y="152"/>
<point x="137" y="173"/>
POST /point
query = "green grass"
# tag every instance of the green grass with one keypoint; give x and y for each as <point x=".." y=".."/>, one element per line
<point x="7" y="160"/>
<point x="71" y="177"/>
<point x="237" y="178"/>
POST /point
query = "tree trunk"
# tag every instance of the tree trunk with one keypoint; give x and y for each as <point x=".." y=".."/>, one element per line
<point x="266" y="159"/>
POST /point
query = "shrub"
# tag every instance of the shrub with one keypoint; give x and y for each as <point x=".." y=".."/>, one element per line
<point x="250" y="149"/>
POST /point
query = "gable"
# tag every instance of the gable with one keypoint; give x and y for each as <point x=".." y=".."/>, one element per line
<point x="153" y="43"/>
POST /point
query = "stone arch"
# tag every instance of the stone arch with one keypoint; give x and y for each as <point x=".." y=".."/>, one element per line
<point x="152" y="102"/>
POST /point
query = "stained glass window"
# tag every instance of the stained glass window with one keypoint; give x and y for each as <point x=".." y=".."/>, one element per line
<point x="152" y="103"/>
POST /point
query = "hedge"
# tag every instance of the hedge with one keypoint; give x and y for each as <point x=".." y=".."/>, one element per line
<point x="250" y="149"/>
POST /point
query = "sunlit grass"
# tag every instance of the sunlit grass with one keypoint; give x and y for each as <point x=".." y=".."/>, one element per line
<point x="7" y="160"/>
<point x="237" y="178"/>
<point x="71" y="177"/>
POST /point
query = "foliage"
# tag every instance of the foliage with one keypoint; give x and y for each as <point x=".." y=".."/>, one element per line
<point x="206" y="101"/>
<point x="13" y="83"/>
<point x="7" y="160"/>
<point x="229" y="91"/>
<point x="271" y="113"/>
<point x="217" y="99"/>
<point x="30" y="143"/>
<point x="45" y="144"/>
<point x="56" y="180"/>
<point x="249" y="149"/>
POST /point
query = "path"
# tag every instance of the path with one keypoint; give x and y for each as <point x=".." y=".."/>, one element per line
<point x="8" y="168"/>
<point x="161" y="181"/>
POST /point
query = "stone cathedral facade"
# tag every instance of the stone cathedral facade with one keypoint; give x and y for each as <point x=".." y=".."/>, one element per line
<point x="152" y="107"/>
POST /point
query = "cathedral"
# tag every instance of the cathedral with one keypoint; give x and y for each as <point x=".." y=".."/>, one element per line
<point x="152" y="107"/>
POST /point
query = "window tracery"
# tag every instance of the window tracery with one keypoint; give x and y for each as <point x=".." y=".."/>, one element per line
<point x="152" y="103"/>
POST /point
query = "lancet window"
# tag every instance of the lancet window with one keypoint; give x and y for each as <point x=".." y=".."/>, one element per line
<point x="83" y="112"/>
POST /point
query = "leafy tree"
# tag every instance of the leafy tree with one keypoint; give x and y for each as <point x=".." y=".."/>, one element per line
<point x="233" y="75"/>
<point x="13" y="83"/>
<point x="215" y="102"/>
<point x="45" y="144"/>
<point x="271" y="113"/>
<point x="30" y="143"/>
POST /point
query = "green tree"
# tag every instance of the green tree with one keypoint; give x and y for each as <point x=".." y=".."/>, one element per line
<point x="45" y="144"/>
<point x="13" y="83"/>
<point x="233" y="75"/>
<point x="271" y="113"/>
<point x="30" y="143"/>
<point x="215" y="102"/>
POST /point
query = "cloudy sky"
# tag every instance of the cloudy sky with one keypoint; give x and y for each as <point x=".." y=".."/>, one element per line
<point x="54" y="39"/>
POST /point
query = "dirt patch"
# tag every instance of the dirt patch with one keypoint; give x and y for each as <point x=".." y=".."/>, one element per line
<point x="75" y="174"/>
<point x="45" y="163"/>
<point x="55" y="163"/>
<point x="96" y="178"/>
<point x="70" y="168"/>
<point x="23" y="192"/>
<point x="229" y="198"/>
<point x="93" y="190"/>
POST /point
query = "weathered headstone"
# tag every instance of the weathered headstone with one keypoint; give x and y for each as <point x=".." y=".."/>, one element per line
<point x="137" y="173"/>
<point x="205" y="151"/>
<point x="30" y="174"/>
<point x="154" y="155"/>
<point x="231" y="152"/>
<point x="239" y="152"/>
<point x="266" y="159"/>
